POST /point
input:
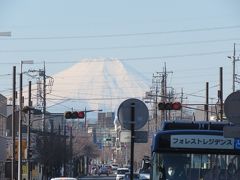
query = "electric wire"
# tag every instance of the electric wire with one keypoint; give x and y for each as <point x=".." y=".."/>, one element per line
<point x="126" y="34"/>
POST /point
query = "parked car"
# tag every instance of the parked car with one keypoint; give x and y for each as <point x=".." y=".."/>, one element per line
<point x="121" y="173"/>
<point x="103" y="170"/>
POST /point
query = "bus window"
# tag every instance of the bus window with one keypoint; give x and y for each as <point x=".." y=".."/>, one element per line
<point x="183" y="166"/>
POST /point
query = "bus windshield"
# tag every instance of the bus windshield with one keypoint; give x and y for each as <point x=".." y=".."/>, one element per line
<point x="172" y="166"/>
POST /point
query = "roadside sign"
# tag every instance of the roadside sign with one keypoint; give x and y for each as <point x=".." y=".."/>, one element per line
<point x="232" y="107"/>
<point x="125" y="136"/>
<point x="141" y="113"/>
<point x="140" y="136"/>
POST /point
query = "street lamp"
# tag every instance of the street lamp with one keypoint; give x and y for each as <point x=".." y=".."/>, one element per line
<point x="20" y="120"/>
<point x="5" y="34"/>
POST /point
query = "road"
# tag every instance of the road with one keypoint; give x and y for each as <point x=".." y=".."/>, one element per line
<point x="110" y="177"/>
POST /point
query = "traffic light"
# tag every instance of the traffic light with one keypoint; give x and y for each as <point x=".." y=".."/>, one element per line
<point x="169" y="106"/>
<point x="74" y="115"/>
<point x="81" y="114"/>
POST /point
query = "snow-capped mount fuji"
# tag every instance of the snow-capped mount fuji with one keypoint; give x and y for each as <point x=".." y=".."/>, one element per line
<point x="95" y="84"/>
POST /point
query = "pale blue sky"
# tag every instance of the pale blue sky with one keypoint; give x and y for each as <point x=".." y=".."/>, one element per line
<point x="194" y="38"/>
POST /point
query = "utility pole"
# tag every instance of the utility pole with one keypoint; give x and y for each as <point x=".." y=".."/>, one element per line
<point x="221" y="94"/>
<point x="28" y="130"/>
<point x="234" y="59"/>
<point x="156" y="84"/>
<point x="21" y="98"/>
<point x="207" y="102"/>
<point x="156" y="109"/>
<point x="159" y="81"/>
<point x="71" y="151"/>
<point x="181" y="103"/>
<point x="13" y="174"/>
<point x="163" y="93"/>
<point x="44" y="97"/>
<point x="234" y="64"/>
<point x="164" y="96"/>
<point x="20" y="129"/>
<point x="65" y="151"/>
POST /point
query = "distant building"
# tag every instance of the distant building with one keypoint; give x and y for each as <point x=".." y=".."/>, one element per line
<point x="3" y="115"/>
<point x="105" y="135"/>
<point x="105" y="120"/>
<point x="3" y="139"/>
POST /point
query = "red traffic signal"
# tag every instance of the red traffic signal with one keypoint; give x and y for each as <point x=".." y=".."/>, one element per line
<point x="176" y="106"/>
<point x="74" y="115"/>
<point x="169" y="106"/>
<point x="81" y="114"/>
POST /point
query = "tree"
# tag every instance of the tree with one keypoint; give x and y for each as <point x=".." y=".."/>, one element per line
<point x="83" y="151"/>
<point x="52" y="153"/>
<point x="83" y="146"/>
<point x="91" y="150"/>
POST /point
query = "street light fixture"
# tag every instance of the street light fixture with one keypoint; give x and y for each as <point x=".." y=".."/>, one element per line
<point x="20" y="120"/>
<point x="5" y="34"/>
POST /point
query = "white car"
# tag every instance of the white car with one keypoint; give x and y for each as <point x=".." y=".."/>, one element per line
<point x="121" y="173"/>
<point x="144" y="174"/>
<point x="64" y="178"/>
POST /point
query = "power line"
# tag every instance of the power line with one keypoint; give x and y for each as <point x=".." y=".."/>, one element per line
<point x="126" y="35"/>
<point x="119" y="47"/>
<point x="194" y="93"/>
<point x="134" y="58"/>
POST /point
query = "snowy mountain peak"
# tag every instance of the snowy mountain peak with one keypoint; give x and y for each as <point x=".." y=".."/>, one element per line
<point x="95" y="84"/>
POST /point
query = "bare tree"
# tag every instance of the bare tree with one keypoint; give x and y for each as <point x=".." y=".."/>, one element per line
<point x="52" y="153"/>
<point x="83" y="146"/>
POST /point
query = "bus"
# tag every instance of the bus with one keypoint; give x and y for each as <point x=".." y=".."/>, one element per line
<point x="197" y="150"/>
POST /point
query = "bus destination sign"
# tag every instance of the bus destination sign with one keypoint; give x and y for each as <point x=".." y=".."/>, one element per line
<point x="202" y="142"/>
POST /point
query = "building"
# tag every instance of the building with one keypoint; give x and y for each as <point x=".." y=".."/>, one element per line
<point x="3" y="115"/>
<point x="105" y="136"/>
<point x="4" y="141"/>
